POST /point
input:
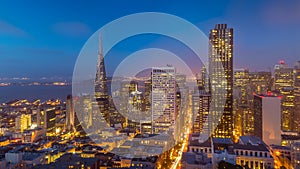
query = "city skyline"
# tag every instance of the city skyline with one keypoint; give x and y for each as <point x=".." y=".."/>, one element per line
<point x="150" y="85"/>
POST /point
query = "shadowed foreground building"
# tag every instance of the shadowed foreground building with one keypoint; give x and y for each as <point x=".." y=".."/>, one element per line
<point x="72" y="161"/>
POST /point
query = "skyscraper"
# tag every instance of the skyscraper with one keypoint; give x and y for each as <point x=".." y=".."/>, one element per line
<point x="200" y="108"/>
<point x="101" y="91"/>
<point x="163" y="99"/>
<point x="23" y="122"/>
<point x="283" y="83"/>
<point x="283" y="76"/>
<point x="242" y="85"/>
<point x="221" y="67"/>
<point x="297" y="95"/>
<point x="267" y="115"/>
<point x="69" y="114"/>
<point x="260" y="82"/>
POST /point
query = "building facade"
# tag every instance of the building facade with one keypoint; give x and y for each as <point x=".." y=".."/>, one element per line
<point x="221" y="73"/>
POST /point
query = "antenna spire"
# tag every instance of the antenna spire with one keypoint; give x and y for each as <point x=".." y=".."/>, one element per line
<point x="100" y="50"/>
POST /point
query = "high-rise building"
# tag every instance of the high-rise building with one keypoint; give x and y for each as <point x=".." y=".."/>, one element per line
<point x="242" y="85"/>
<point x="267" y="118"/>
<point x="23" y="122"/>
<point x="101" y="90"/>
<point x="260" y="82"/>
<point x="200" y="108"/>
<point x="163" y="99"/>
<point x="202" y="79"/>
<point x="49" y="120"/>
<point x="148" y="89"/>
<point x="221" y="67"/>
<point x="288" y="109"/>
<point x="297" y="95"/>
<point x="283" y="84"/>
<point x="70" y="114"/>
<point x="135" y="108"/>
<point x="283" y="76"/>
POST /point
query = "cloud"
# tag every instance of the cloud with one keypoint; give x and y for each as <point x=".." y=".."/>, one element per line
<point x="9" y="29"/>
<point x="72" y="29"/>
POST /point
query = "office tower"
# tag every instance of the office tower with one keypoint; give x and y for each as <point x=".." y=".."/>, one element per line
<point x="242" y="85"/>
<point x="288" y="109"/>
<point x="23" y="122"/>
<point x="297" y="95"/>
<point x="202" y="78"/>
<point x="283" y="76"/>
<point x="136" y="99"/>
<point x="40" y="117"/>
<point x="182" y="111"/>
<point x="49" y="121"/>
<point x="70" y="114"/>
<point x="242" y="100"/>
<point x="246" y="121"/>
<point x="260" y="82"/>
<point x="221" y="67"/>
<point x="283" y="83"/>
<point x="163" y="99"/>
<point x="148" y="89"/>
<point x="267" y="118"/>
<point x="101" y="91"/>
<point x="135" y="108"/>
<point x="200" y="108"/>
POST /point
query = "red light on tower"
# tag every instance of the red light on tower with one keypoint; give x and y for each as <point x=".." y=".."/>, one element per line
<point x="281" y="62"/>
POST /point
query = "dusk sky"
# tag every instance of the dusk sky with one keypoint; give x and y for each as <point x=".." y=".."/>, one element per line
<point x="44" y="38"/>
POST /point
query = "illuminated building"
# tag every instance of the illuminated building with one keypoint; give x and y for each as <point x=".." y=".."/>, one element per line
<point x="288" y="138"/>
<point x="200" y="108"/>
<point x="221" y="67"/>
<point x="242" y="84"/>
<point x="4" y="141"/>
<point x="101" y="90"/>
<point x="49" y="121"/>
<point x="297" y="96"/>
<point x="202" y="78"/>
<point x="295" y="154"/>
<point x="163" y="99"/>
<point x="69" y="114"/>
<point x="243" y="116"/>
<point x="284" y="81"/>
<point x="40" y="117"/>
<point x="148" y="88"/>
<point x="135" y="108"/>
<point x="267" y="118"/>
<point x="288" y="117"/>
<point x="260" y="82"/>
<point x="252" y="152"/>
<point x="23" y="122"/>
<point x="283" y="76"/>
<point x="245" y="121"/>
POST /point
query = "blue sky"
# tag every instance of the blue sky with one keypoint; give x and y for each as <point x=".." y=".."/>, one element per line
<point x="44" y="38"/>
